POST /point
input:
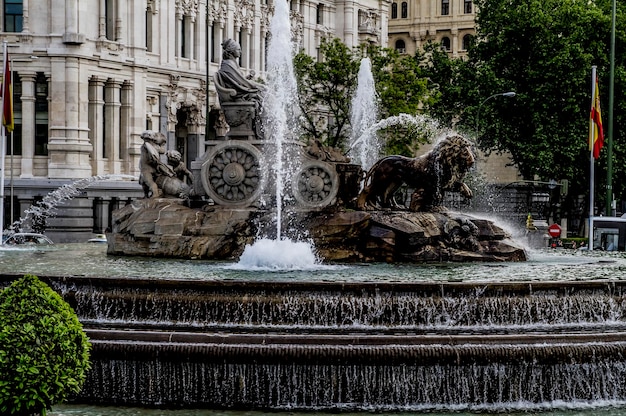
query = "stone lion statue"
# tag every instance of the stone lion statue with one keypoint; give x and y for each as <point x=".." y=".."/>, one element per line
<point x="441" y="169"/>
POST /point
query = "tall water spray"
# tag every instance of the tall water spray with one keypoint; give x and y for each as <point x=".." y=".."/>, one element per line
<point x="281" y="105"/>
<point x="364" y="144"/>
<point x="281" y="128"/>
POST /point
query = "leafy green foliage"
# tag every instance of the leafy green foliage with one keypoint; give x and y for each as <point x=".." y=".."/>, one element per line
<point x="326" y="88"/>
<point x="543" y="50"/>
<point x="44" y="353"/>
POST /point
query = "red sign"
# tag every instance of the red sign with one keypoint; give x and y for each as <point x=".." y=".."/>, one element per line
<point x="554" y="230"/>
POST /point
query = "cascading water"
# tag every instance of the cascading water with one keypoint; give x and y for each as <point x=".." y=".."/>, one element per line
<point x="364" y="144"/>
<point x="281" y="128"/>
<point x="337" y="346"/>
<point x="37" y="213"/>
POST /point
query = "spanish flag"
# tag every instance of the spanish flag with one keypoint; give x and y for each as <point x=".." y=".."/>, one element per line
<point x="596" y="134"/>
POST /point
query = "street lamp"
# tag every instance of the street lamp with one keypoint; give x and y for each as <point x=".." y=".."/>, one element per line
<point x="503" y="94"/>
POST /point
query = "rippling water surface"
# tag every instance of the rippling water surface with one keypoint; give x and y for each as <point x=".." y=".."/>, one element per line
<point x="92" y="260"/>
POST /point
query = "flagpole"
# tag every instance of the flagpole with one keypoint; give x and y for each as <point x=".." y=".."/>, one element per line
<point x="2" y="143"/>
<point x="609" y="133"/>
<point x="591" y="161"/>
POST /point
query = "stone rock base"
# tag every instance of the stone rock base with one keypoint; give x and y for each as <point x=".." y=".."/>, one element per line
<point x="167" y="228"/>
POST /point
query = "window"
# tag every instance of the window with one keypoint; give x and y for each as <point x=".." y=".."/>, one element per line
<point x="183" y="37"/>
<point x="149" y="39"/>
<point x="13" y="15"/>
<point x="394" y="10"/>
<point x="320" y="14"/>
<point x="445" y="43"/>
<point x="445" y="7"/>
<point x="467" y="39"/>
<point x="405" y="10"/>
<point x="110" y="13"/>
<point x="400" y="46"/>
<point x="467" y="6"/>
<point x="41" y="115"/>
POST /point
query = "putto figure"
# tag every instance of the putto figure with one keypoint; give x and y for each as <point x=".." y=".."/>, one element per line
<point x="441" y="169"/>
<point x="156" y="177"/>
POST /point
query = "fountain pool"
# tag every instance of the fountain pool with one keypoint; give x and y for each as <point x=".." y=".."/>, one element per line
<point x="541" y="335"/>
<point x="91" y="260"/>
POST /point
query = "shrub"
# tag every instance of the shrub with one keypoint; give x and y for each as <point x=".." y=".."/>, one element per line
<point x="44" y="352"/>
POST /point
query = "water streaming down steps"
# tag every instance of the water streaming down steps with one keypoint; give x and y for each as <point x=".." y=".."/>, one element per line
<point x="290" y="345"/>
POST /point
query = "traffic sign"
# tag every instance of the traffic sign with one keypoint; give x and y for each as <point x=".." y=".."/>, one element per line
<point x="554" y="230"/>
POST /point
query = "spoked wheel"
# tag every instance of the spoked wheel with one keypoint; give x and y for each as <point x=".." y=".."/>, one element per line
<point x="315" y="185"/>
<point x="232" y="175"/>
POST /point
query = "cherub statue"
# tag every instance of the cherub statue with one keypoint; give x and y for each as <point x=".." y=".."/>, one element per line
<point x="150" y="165"/>
<point x="174" y="158"/>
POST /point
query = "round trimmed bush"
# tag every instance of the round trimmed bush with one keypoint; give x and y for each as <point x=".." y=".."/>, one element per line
<point x="44" y="352"/>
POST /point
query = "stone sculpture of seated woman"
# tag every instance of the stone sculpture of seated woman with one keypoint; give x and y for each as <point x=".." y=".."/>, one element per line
<point x="234" y="87"/>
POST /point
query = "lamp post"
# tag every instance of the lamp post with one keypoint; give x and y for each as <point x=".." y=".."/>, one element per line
<point x="504" y="94"/>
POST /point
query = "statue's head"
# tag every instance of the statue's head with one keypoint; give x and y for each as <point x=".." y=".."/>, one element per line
<point x="148" y="135"/>
<point x="173" y="156"/>
<point x="230" y="49"/>
<point x="456" y="153"/>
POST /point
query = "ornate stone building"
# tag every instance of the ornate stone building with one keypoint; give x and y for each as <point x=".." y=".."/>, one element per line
<point x="91" y="75"/>
<point x="412" y="23"/>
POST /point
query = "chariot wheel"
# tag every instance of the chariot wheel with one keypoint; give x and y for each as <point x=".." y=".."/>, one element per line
<point x="315" y="185"/>
<point x="232" y="175"/>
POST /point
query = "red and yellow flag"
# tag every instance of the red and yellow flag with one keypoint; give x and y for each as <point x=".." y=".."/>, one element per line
<point x="596" y="136"/>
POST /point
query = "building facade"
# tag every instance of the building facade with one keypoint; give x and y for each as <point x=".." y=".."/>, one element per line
<point x="412" y="23"/>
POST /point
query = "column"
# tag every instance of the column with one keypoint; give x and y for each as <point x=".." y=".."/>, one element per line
<point x="28" y="123"/>
<point x="248" y="49"/>
<point x="112" y="123"/>
<point x="219" y="40"/>
<point x="102" y="20"/>
<point x="126" y="100"/>
<point x="68" y="145"/>
<point x="96" y="123"/>
<point x="179" y="34"/>
<point x="25" y="18"/>
<point x="71" y="35"/>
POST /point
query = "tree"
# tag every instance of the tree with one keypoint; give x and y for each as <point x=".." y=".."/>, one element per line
<point x="44" y="353"/>
<point x="543" y="50"/>
<point x="325" y="89"/>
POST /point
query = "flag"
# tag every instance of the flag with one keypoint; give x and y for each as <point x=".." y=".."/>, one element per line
<point x="596" y="138"/>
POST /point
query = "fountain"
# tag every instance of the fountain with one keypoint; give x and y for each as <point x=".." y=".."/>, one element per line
<point x="384" y="323"/>
<point x="260" y="174"/>
<point x="364" y="145"/>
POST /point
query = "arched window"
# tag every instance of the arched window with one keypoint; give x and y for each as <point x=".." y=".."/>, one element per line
<point x="467" y="39"/>
<point x="400" y="46"/>
<point x="405" y="10"/>
<point x="445" y="43"/>
<point x="394" y="10"/>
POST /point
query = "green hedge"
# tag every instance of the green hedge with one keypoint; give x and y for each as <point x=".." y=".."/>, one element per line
<point x="44" y="352"/>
